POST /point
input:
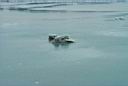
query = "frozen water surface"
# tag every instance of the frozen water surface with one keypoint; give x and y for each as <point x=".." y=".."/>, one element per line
<point x="98" y="58"/>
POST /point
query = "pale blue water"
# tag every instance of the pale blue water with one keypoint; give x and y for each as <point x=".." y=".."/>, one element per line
<point x="98" y="58"/>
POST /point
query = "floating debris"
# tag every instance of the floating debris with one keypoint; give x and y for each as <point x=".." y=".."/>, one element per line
<point x="60" y="39"/>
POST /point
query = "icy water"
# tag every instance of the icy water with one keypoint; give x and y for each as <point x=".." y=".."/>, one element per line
<point x="98" y="58"/>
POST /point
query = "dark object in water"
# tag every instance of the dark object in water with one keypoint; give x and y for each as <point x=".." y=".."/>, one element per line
<point x="52" y="37"/>
<point x="119" y="18"/>
<point x="60" y="39"/>
<point x="1" y="8"/>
